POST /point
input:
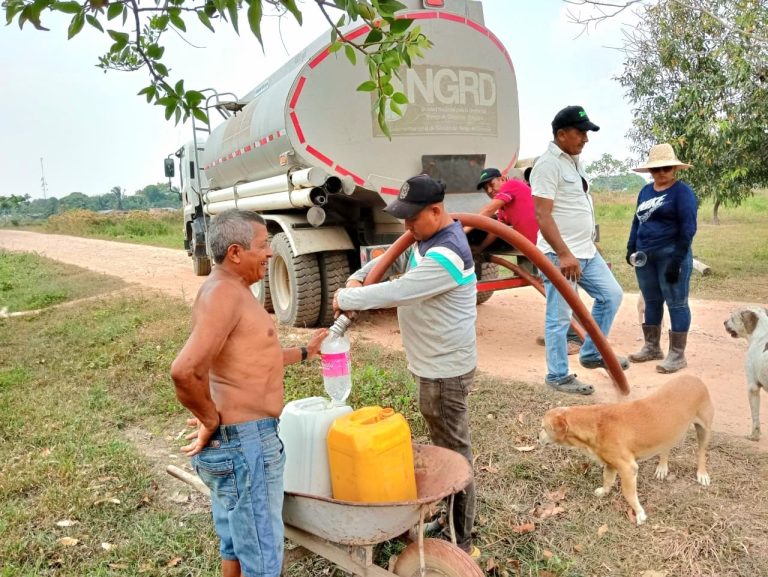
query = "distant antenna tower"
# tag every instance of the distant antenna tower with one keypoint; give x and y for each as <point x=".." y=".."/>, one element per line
<point x="43" y="183"/>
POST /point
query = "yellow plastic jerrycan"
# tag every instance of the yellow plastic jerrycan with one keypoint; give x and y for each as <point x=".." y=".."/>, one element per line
<point x="371" y="457"/>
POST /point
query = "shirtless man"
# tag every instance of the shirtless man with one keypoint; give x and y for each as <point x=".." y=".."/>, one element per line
<point x="230" y="376"/>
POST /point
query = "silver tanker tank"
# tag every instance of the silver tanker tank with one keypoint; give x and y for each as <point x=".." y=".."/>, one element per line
<point x="306" y="152"/>
<point x="462" y="102"/>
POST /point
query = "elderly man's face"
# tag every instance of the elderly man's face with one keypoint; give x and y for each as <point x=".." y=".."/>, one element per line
<point x="572" y="140"/>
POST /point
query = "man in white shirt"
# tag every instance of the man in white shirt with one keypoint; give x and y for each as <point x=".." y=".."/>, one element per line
<point x="566" y="218"/>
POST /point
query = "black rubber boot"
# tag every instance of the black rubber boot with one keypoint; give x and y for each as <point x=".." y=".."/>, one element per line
<point x="651" y="350"/>
<point x="676" y="357"/>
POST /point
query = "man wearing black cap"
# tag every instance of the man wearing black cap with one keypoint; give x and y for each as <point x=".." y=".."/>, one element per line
<point x="436" y="310"/>
<point x="566" y="218"/>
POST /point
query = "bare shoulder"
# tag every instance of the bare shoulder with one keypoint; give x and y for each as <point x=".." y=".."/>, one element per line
<point x="219" y="295"/>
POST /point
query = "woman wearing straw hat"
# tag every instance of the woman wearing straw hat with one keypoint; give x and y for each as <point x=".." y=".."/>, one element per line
<point x="662" y="231"/>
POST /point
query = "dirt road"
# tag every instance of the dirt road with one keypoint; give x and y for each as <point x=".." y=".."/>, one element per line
<point x="507" y="325"/>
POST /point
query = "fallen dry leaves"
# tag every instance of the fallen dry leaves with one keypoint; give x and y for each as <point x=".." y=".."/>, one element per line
<point x="525" y="528"/>
<point x="173" y="562"/>
<point x="66" y="523"/>
<point x="68" y="541"/>
<point x="602" y="530"/>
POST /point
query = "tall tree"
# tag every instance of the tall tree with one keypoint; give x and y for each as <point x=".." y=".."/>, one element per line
<point x="118" y="193"/>
<point x="609" y="173"/>
<point x="697" y="74"/>
<point x="135" y="33"/>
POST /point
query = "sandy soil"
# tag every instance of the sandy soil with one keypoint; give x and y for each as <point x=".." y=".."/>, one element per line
<point x="507" y="326"/>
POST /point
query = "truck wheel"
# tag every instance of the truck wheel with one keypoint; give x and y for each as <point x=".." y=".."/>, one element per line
<point x="261" y="289"/>
<point x="441" y="559"/>
<point x="334" y="272"/>
<point x="485" y="271"/>
<point x="201" y="265"/>
<point x="294" y="284"/>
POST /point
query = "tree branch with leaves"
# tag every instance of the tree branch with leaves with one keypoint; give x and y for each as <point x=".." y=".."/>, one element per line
<point x="135" y="34"/>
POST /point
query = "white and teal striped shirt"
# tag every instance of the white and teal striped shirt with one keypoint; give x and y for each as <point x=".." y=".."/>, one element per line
<point x="436" y="300"/>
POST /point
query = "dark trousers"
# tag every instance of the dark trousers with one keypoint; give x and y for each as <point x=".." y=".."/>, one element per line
<point x="443" y="402"/>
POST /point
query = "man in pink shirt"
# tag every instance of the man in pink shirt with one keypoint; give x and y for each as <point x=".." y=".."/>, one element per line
<point x="511" y="202"/>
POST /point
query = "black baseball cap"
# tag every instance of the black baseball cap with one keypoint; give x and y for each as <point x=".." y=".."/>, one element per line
<point x="487" y="176"/>
<point x="416" y="194"/>
<point x="573" y="117"/>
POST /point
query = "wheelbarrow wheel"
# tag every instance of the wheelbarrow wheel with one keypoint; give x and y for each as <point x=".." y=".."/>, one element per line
<point x="441" y="558"/>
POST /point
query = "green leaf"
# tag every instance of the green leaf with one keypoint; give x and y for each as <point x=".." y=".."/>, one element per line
<point x="169" y="111"/>
<point x="367" y="86"/>
<point x="335" y="47"/>
<point x="400" y="98"/>
<point x="120" y="38"/>
<point x="67" y="7"/>
<point x="293" y="9"/>
<point x="350" y="52"/>
<point x="161" y="69"/>
<point x="200" y="115"/>
<point x="93" y="21"/>
<point x="114" y="10"/>
<point x="155" y="52"/>
<point x="375" y="35"/>
<point x="177" y="21"/>
<point x="400" y="26"/>
<point x="150" y="91"/>
<point x="205" y="20"/>
<point x="76" y="25"/>
<point x="395" y="108"/>
<point x="179" y="88"/>
<point x="254" y="19"/>
<point x="232" y="9"/>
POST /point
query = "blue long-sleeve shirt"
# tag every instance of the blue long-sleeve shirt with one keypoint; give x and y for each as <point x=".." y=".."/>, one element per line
<point x="664" y="218"/>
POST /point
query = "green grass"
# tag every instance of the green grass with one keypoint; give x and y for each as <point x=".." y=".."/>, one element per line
<point x="29" y="282"/>
<point x="163" y="229"/>
<point x="76" y="382"/>
<point x="736" y="249"/>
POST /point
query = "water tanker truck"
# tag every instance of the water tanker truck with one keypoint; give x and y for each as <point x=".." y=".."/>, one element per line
<point x="304" y="150"/>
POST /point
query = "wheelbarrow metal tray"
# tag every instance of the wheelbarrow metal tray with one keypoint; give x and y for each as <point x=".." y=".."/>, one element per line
<point x="439" y="473"/>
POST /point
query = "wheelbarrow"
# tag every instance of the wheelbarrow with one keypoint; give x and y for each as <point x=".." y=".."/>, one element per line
<point x="345" y="532"/>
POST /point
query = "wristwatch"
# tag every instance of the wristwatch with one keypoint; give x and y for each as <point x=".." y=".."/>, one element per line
<point x="304" y="354"/>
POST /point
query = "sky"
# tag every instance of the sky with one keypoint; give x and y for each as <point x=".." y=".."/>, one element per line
<point x="93" y="133"/>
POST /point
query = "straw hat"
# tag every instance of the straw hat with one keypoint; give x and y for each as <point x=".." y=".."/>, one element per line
<point x="659" y="156"/>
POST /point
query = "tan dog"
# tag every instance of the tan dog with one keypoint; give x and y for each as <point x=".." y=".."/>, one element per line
<point x="620" y="435"/>
<point x="752" y="324"/>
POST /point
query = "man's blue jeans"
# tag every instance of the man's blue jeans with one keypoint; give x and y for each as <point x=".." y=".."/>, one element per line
<point x="599" y="283"/>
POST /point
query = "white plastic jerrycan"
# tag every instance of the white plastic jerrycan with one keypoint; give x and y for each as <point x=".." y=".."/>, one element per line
<point x="304" y="428"/>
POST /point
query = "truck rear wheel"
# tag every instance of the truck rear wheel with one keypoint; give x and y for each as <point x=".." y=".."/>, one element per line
<point x="485" y="271"/>
<point x="201" y="265"/>
<point x="261" y="289"/>
<point x="294" y="284"/>
<point x="334" y="272"/>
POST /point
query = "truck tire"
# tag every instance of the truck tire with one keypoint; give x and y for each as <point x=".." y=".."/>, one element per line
<point x="485" y="271"/>
<point x="201" y="265"/>
<point x="334" y="272"/>
<point x="294" y="284"/>
<point x="261" y="289"/>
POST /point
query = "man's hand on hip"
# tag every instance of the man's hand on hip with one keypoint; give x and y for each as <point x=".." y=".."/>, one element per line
<point x="570" y="268"/>
<point x="199" y="438"/>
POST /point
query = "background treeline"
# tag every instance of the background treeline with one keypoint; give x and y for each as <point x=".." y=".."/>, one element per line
<point x="22" y="207"/>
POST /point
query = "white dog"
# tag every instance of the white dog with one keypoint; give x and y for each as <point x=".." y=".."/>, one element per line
<point x="752" y="324"/>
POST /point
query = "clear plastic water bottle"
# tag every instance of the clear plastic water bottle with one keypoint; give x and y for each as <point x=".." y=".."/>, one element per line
<point x="337" y="365"/>
<point x="638" y="259"/>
